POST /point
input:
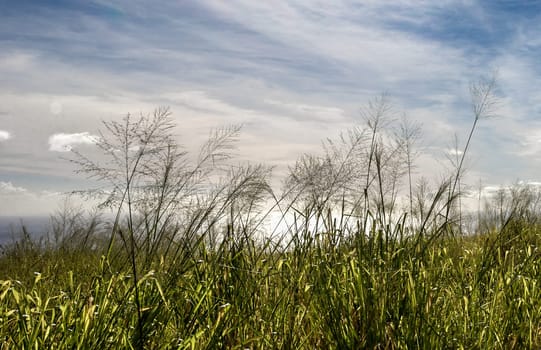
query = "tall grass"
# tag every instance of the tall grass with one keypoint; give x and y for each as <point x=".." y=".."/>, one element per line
<point x="189" y="260"/>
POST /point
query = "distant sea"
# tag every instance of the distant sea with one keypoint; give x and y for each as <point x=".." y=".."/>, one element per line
<point x="11" y="227"/>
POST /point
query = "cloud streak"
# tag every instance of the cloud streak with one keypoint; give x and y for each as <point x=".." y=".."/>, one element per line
<point x="64" y="142"/>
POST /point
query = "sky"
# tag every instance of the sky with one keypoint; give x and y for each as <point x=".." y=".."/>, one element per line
<point x="292" y="72"/>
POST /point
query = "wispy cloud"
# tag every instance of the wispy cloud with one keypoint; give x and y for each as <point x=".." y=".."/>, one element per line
<point x="277" y="67"/>
<point x="4" y="135"/>
<point x="201" y="101"/>
<point x="308" y="111"/>
<point x="9" y="188"/>
<point x="65" y="142"/>
<point x="529" y="145"/>
<point x="16" y="61"/>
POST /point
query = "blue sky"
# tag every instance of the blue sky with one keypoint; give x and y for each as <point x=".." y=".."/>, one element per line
<point x="294" y="72"/>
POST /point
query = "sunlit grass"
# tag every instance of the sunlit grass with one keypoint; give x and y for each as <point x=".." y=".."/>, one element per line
<point x="313" y="296"/>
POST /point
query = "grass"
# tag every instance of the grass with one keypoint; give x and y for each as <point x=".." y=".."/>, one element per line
<point x="187" y="263"/>
<point x="468" y="292"/>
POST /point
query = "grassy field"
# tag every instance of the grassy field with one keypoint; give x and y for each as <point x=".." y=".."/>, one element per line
<point x="469" y="292"/>
<point x="361" y="257"/>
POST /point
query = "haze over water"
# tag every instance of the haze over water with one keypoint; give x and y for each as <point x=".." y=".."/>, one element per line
<point x="11" y="227"/>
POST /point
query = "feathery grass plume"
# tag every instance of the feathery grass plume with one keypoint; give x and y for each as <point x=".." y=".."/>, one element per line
<point x="170" y="204"/>
<point x="484" y="105"/>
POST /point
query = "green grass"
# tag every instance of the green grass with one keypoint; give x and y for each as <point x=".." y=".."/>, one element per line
<point x="469" y="292"/>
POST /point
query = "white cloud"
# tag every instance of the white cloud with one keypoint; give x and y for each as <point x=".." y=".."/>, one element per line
<point x="56" y="107"/>
<point x="530" y="143"/>
<point x="313" y="111"/>
<point x="48" y="193"/>
<point x="454" y="152"/>
<point x="9" y="188"/>
<point x="492" y="190"/>
<point x="4" y="135"/>
<point x="202" y="102"/>
<point x="64" y="142"/>
<point x="28" y="202"/>
<point x="17" y="61"/>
